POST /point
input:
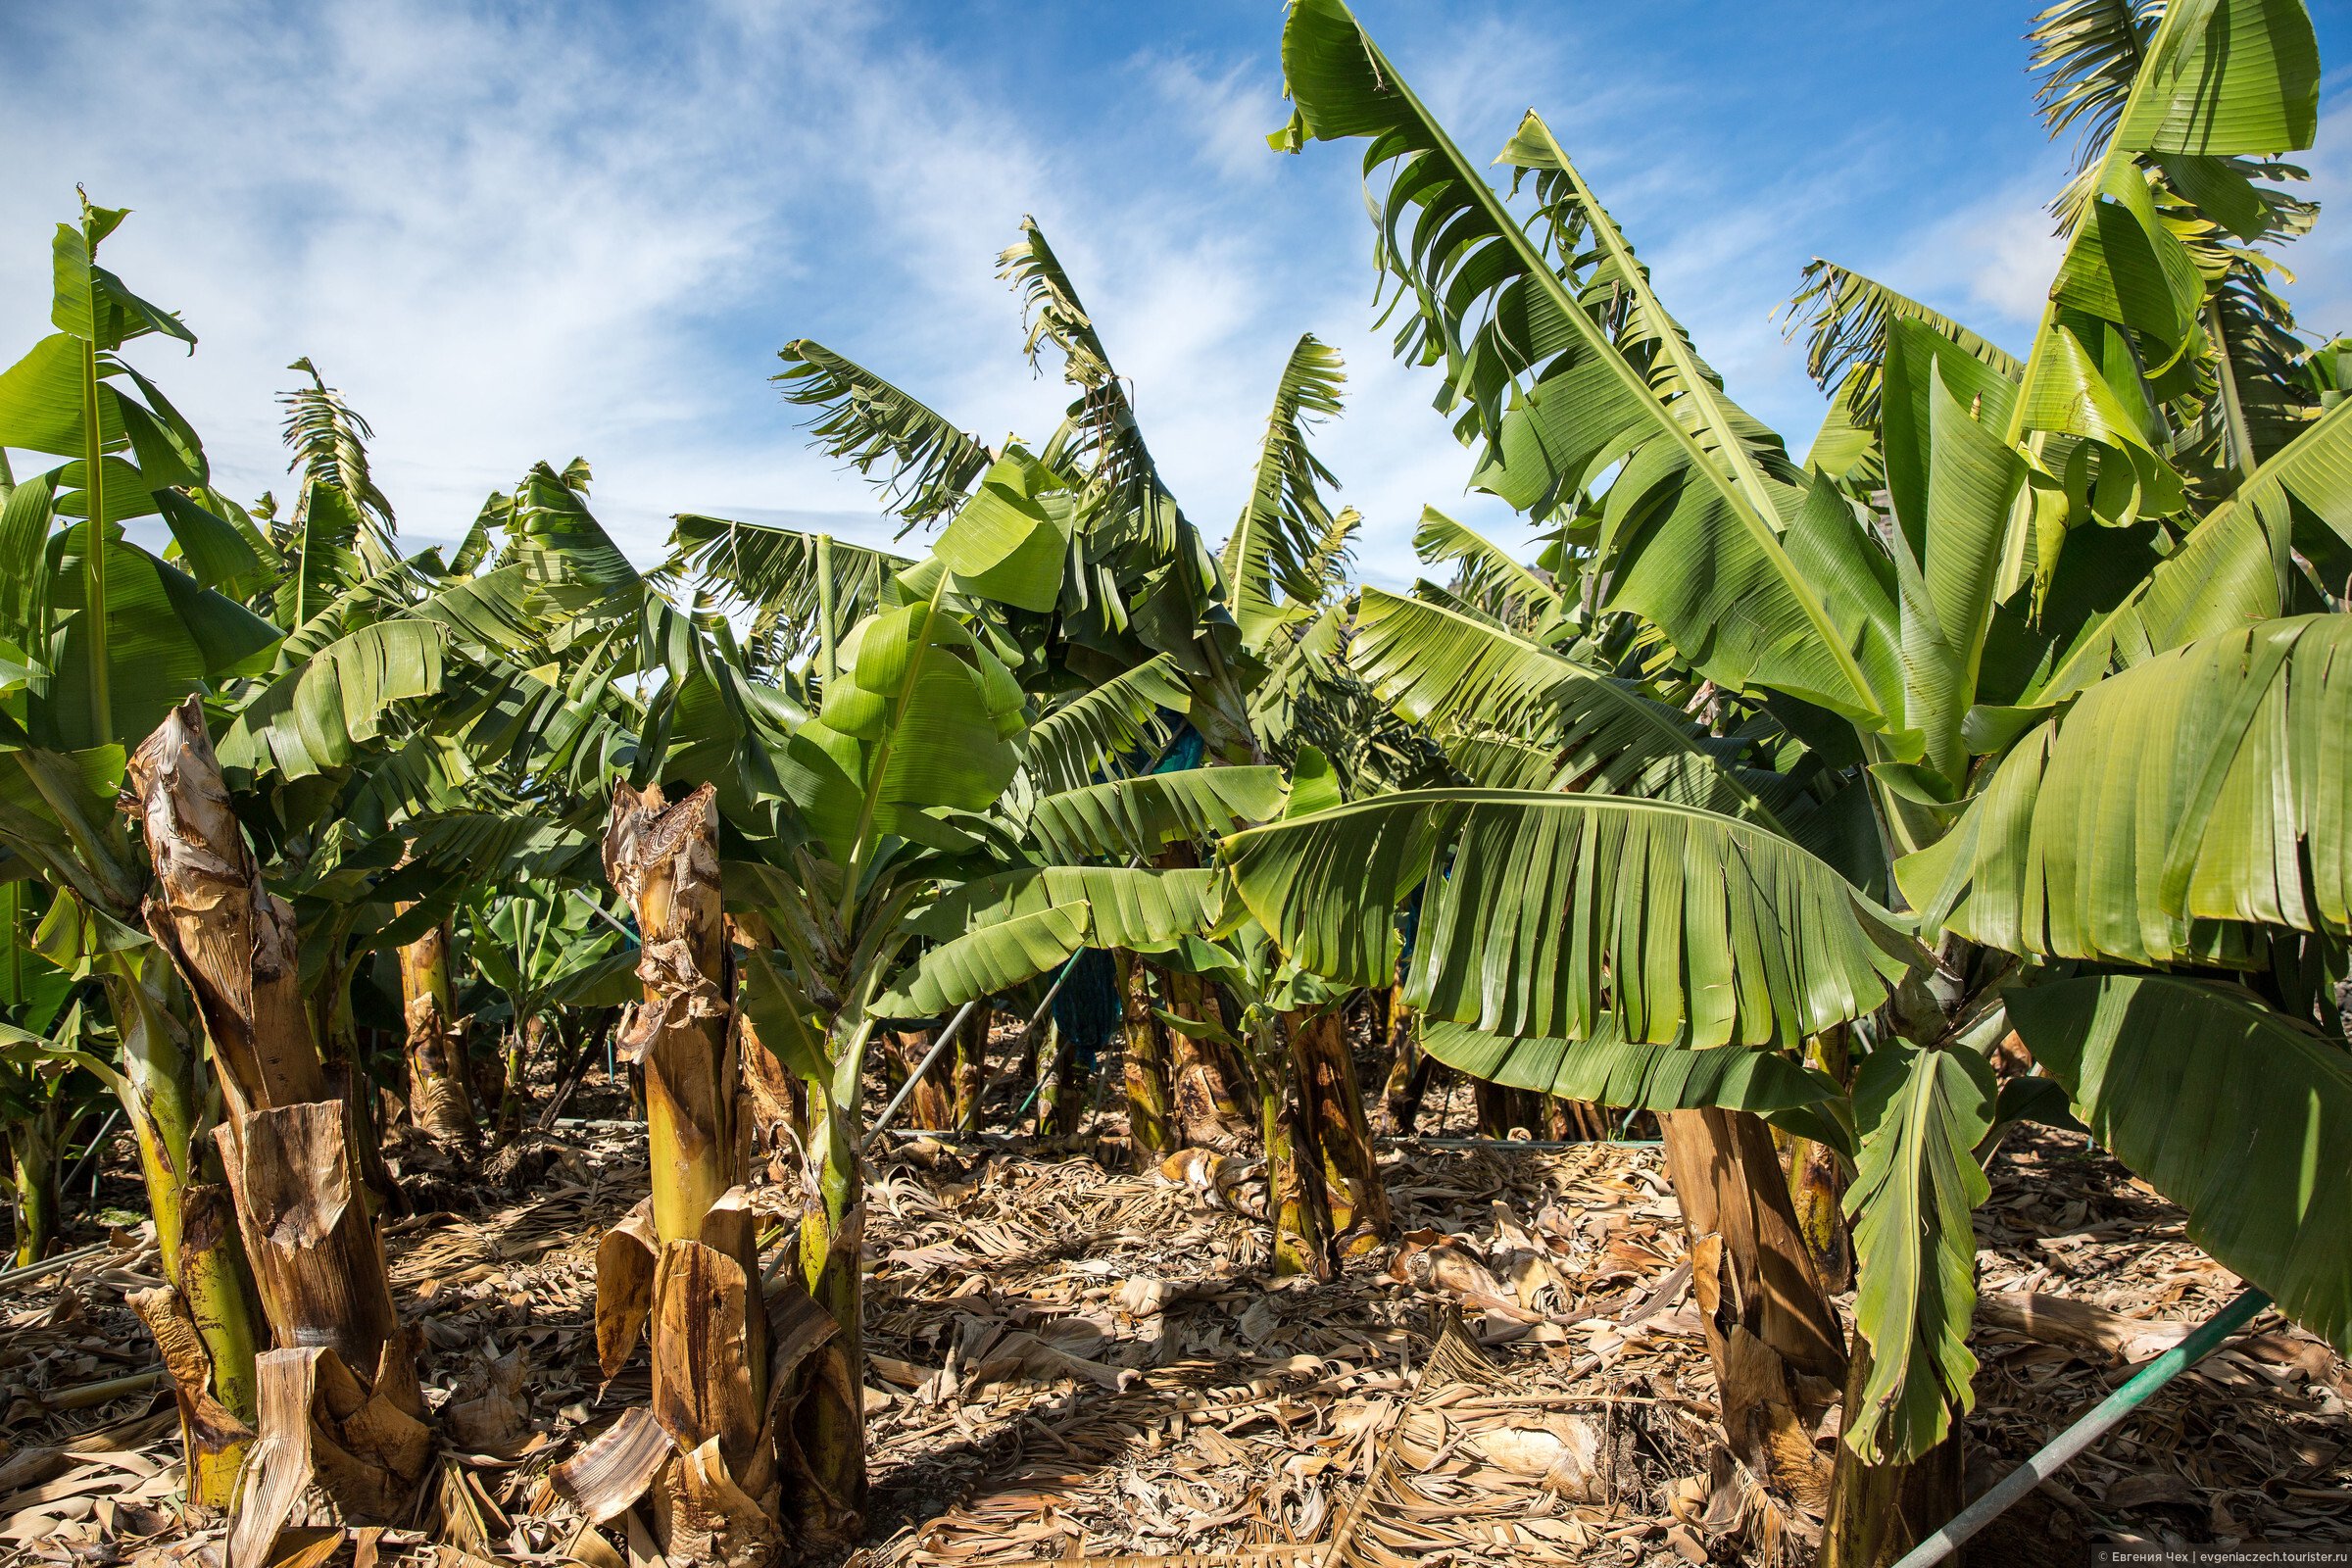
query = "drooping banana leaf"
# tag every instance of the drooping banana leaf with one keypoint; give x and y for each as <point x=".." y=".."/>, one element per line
<point x="2204" y="785"/>
<point x="1123" y="496"/>
<point x="1011" y="540"/>
<point x="1139" y="815"/>
<point x="1086" y="737"/>
<point x="2088" y="53"/>
<point x="1544" y="914"/>
<point x="984" y="962"/>
<point x="379" y="596"/>
<point x="2235" y="566"/>
<point x="917" y="458"/>
<point x="2299" y="498"/>
<point x="166" y="637"/>
<point x="1487" y="572"/>
<point x="921" y="718"/>
<point x="1450" y="670"/>
<point x="561" y="546"/>
<point x="1608" y="1069"/>
<point x="2227" y="1107"/>
<point x="775" y="570"/>
<point x="314" y="716"/>
<point x="1585" y="242"/>
<point x="1440" y="668"/>
<point x="215" y="552"/>
<point x="1920" y="1115"/>
<point x="1140" y="911"/>
<point x="1846" y="318"/>
<point x="1695" y="523"/>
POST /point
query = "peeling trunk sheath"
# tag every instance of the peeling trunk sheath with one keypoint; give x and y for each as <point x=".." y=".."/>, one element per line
<point x="1151" y="1097"/>
<point x="286" y="1144"/>
<point x="440" y="1091"/>
<point x="344" y="1367"/>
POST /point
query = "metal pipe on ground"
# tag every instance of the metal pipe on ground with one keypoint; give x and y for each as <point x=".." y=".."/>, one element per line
<point x="50" y="1266"/>
<point x="939" y="1048"/>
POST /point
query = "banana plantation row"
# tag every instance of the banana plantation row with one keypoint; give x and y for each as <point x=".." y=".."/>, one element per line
<point x="1771" y="796"/>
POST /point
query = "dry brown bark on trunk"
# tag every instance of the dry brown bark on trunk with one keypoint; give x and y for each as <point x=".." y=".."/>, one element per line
<point x="664" y="860"/>
<point x="932" y="1106"/>
<point x="1817" y="1190"/>
<point x="1409" y="1067"/>
<point x="1777" y="1348"/>
<point x="1334" y="1107"/>
<point x="774" y="1103"/>
<point x="1817" y="1180"/>
<point x="684" y="1268"/>
<point x="440" y="1101"/>
<point x="1151" y="1107"/>
<point x="1298" y="1207"/>
<point x="233" y="941"/>
<point x="288" y="1151"/>
<point x="323" y="1433"/>
<point x="1876" y="1513"/>
<point x="1210" y="1111"/>
<point x="213" y="1438"/>
<point x="1503" y="1110"/>
<point x="1575" y="1120"/>
<point x="1210" y="1099"/>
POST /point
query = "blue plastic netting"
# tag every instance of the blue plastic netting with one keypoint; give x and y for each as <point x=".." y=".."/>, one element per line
<point x="1087" y="1010"/>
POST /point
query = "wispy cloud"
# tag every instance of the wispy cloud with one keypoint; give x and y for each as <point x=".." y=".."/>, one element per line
<point x="516" y="233"/>
<point x="445" y="211"/>
<point x="1227" y="101"/>
<point x="2322" y="261"/>
<point x="1989" y="262"/>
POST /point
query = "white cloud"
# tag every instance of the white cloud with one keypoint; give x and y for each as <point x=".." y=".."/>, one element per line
<point x="1990" y="261"/>
<point x="444" y="212"/>
<point x="1230" y="109"/>
<point x="2322" y="261"/>
<point x="514" y="234"/>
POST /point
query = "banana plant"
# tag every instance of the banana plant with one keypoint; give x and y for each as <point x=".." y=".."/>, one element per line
<point x="1323" y="1203"/>
<point x="1269" y="993"/>
<point x="132" y="659"/>
<point x="112" y="633"/>
<point x="1147" y="635"/>
<point x="1892" y="658"/>
<point x="839" y="853"/>
<point x="45" y="1036"/>
<point x="902" y="818"/>
<point x="545" y="948"/>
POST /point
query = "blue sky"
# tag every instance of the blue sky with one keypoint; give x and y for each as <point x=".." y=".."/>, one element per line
<point x="524" y="232"/>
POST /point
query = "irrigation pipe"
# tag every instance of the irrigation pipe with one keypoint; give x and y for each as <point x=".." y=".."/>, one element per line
<point x="97" y="1145"/>
<point x="939" y="1048"/>
<point x="2053" y="1455"/>
<point x="50" y="1266"/>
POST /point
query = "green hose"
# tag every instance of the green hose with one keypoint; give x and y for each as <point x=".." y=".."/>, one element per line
<point x="2053" y="1455"/>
